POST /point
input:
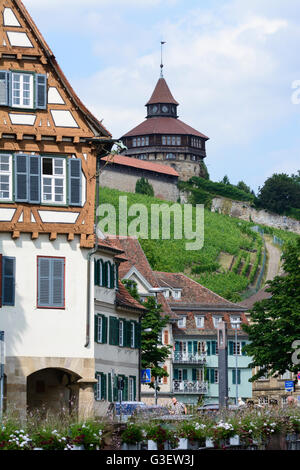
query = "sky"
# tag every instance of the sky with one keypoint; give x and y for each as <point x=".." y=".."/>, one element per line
<point x="233" y="65"/>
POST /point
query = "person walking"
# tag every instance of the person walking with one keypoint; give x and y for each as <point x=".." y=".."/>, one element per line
<point x="177" y="408"/>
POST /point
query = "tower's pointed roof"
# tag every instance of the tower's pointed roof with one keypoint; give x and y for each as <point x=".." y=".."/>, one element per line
<point x="162" y="94"/>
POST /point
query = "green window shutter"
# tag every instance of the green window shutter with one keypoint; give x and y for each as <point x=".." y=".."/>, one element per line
<point x="109" y="388"/>
<point x="184" y="374"/>
<point x="103" y="386"/>
<point x="190" y="347"/>
<point x="194" y="374"/>
<point x="239" y="377"/>
<point x="105" y="274"/>
<point x="195" y="345"/>
<point x="116" y="331"/>
<point x="243" y="345"/>
<point x="125" y="388"/>
<point x="213" y="348"/>
<point x="212" y="376"/>
<point x="175" y="374"/>
<point x="207" y="375"/>
<point x="112" y="276"/>
<point x="104" y="329"/>
<point x="208" y="347"/>
<point x="231" y="348"/>
<point x="96" y="328"/>
<point x="115" y="389"/>
<point x="111" y="330"/>
<point x="233" y="377"/>
<point x="96" y="385"/>
<point x="97" y="272"/>
<point x="177" y="346"/>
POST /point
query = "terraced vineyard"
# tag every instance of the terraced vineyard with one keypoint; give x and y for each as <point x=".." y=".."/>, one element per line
<point x="224" y="237"/>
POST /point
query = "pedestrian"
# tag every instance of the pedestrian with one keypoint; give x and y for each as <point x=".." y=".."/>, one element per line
<point x="177" y="408"/>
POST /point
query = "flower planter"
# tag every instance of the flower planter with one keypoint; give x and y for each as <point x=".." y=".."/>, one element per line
<point x="209" y="443"/>
<point x="136" y="446"/>
<point x="152" y="445"/>
<point x="234" y="441"/>
<point x="76" y="447"/>
<point x="193" y="445"/>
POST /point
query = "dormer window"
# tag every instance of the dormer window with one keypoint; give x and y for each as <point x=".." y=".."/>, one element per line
<point x="182" y="322"/>
<point x="199" y="322"/>
<point x="167" y="294"/>
<point x="176" y="294"/>
<point x="216" y="321"/>
<point x="235" y="321"/>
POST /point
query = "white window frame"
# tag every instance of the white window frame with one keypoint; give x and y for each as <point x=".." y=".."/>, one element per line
<point x="237" y="348"/>
<point x="54" y="178"/>
<point x="131" y="389"/>
<point x="216" y="321"/>
<point x="99" y="329"/>
<point x="121" y="333"/>
<point x="176" y="294"/>
<point x="10" y="176"/>
<point x="99" y="383"/>
<point x="132" y="335"/>
<point x="22" y="98"/>
<point x="199" y="375"/>
<point x="200" y="319"/>
<point x="202" y="347"/>
<point x="181" y="323"/>
<point x="235" y="321"/>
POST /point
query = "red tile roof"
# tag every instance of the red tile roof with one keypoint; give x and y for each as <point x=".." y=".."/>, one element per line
<point x="124" y="299"/>
<point x="193" y="294"/>
<point x="162" y="94"/>
<point x="209" y="328"/>
<point x="258" y="297"/>
<point x="164" y="125"/>
<point x="140" y="164"/>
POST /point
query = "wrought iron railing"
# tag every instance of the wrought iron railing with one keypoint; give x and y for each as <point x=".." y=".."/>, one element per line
<point x="187" y="386"/>
<point x="188" y="358"/>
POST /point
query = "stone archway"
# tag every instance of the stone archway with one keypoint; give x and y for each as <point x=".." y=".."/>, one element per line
<point x="54" y="390"/>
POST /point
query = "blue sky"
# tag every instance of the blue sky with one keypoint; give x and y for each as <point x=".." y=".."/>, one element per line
<point x="231" y="65"/>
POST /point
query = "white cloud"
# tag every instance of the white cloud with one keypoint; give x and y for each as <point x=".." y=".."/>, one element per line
<point x="65" y="4"/>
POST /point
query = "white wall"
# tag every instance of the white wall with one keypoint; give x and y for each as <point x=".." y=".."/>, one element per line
<point x="38" y="332"/>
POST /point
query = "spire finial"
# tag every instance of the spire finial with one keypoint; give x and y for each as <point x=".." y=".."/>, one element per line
<point x="161" y="64"/>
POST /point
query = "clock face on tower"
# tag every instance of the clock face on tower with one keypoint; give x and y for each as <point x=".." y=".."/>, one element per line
<point x="165" y="109"/>
<point x="154" y="109"/>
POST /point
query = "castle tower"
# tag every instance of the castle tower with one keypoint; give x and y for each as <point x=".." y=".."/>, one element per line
<point x="162" y="137"/>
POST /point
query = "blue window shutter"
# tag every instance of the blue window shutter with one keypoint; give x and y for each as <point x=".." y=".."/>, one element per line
<point x="74" y="181"/>
<point x="21" y="178"/>
<point x="8" y="280"/>
<point x="35" y="179"/>
<point x="4" y="87"/>
<point x="40" y="91"/>
<point x="44" y="282"/>
<point x="58" y="281"/>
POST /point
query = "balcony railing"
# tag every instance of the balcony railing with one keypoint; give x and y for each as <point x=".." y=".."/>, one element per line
<point x="188" y="358"/>
<point x="186" y="386"/>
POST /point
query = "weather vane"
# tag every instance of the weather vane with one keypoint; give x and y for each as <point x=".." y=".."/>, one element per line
<point x="162" y="65"/>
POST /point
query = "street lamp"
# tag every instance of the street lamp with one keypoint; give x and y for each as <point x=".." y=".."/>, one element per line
<point x="146" y="330"/>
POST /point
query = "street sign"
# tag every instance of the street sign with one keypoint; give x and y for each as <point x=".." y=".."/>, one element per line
<point x="289" y="385"/>
<point x="146" y="376"/>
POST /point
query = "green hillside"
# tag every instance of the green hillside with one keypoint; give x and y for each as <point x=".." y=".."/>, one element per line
<point x="229" y="261"/>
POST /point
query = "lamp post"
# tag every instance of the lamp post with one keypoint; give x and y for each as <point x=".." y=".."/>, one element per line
<point x="223" y="364"/>
<point x="146" y="330"/>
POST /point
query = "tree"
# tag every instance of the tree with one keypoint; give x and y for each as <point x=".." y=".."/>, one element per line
<point x="144" y="187"/>
<point x="225" y="180"/>
<point x="275" y="324"/>
<point x="152" y="350"/>
<point x="280" y="193"/>
<point x="243" y="187"/>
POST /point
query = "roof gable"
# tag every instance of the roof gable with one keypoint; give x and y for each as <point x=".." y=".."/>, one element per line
<point x="23" y="48"/>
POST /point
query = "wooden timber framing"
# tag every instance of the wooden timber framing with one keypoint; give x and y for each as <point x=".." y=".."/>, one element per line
<point x="47" y="136"/>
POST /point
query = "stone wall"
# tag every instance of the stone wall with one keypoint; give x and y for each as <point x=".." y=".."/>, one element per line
<point x="124" y="179"/>
<point x="242" y="210"/>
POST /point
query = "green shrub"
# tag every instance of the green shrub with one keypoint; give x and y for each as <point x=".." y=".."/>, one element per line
<point x="144" y="187"/>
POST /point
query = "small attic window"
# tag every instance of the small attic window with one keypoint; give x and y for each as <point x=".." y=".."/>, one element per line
<point x="181" y="322"/>
<point x="176" y="294"/>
